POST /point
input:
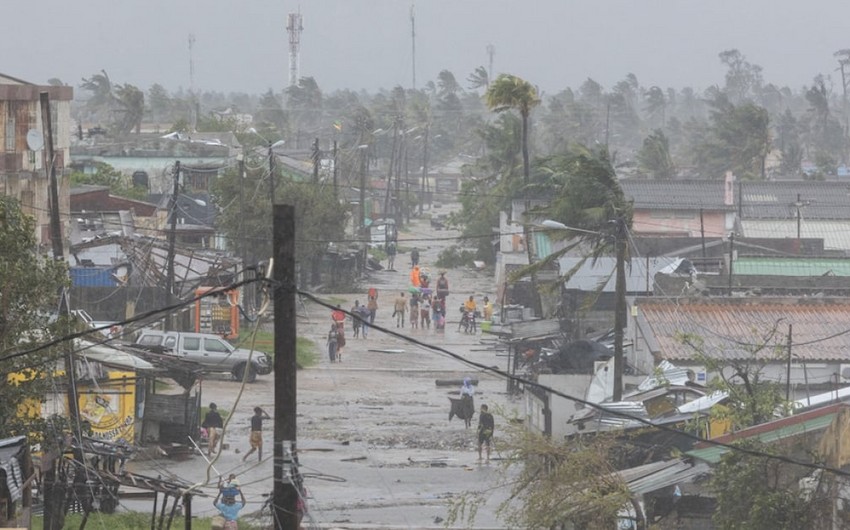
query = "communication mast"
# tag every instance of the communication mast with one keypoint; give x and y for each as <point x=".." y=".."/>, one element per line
<point x="491" y="51"/>
<point x="294" y="28"/>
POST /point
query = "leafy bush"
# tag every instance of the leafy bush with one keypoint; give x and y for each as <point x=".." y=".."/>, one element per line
<point x="454" y="256"/>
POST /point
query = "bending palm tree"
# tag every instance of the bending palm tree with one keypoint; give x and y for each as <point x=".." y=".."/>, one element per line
<point x="509" y="92"/>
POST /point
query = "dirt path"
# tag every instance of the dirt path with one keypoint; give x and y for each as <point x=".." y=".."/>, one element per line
<point x="378" y="449"/>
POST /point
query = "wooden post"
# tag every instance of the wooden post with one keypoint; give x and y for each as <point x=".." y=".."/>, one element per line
<point x="620" y="314"/>
<point x="285" y="493"/>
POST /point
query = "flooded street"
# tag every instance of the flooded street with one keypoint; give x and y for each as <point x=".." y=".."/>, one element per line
<point x="376" y="446"/>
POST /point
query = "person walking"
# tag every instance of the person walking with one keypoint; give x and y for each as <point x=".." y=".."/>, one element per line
<point x="255" y="439"/>
<point x="364" y="313"/>
<point x="414" y="257"/>
<point x="356" y="323"/>
<point x="213" y="424"/>
<point x="415" y="280"/>
<point x="488" y="309"/>
<point x="229" y="509"/>
<point x="425" y="312"/>
<point x="486" y="425"/>
<point x="391" y="252"/>
<point x="373" y="308"/>
<point x="399" y="308"/>
<point x="414" y="310"/>
<point x="332" y="337"/>
<point x="442" y="286"/>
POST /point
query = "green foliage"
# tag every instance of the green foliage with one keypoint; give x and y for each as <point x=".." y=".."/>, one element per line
<point x="453" y="257"/>
<point x="759" y="493"/>
<point x="737" y="140"/>
<point x="654" y="156"/>
<point x="106" y="175"/>
<point x="552" y="484"/>
<point x="319" y="216"/>
<point x="29" y="285"/>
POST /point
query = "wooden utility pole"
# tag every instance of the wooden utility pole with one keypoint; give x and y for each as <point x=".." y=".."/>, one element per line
<point x="731" y="260"/>
<point x="702" y="231"/>
<point x="423" y="183"/>
<point x="363" y="168"/>
<point x="620" y="314"/>
<point x="788" y="370"/>
<point x="172" y="236"/>
<point x="54" y="495"/>
<point x="317" y="160"/>
<point x="336" y="171"/>
<point x="286" y="491"/>
<point x="271" y="174"/>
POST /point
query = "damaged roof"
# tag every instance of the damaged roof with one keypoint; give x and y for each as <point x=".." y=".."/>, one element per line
<point x="732" y="328"/>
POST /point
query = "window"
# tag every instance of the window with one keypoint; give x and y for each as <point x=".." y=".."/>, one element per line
<point x="215" y="345"/>
<point x="660" y="214"/>
<point x="170" y="342"/>
<point x="150" y="340"/>
<point x="10" y="127"/>
<point x="191" y="343"/>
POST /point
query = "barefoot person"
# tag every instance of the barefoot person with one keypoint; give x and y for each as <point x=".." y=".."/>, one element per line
<point x="485" y="431"/>
<point x="256" y="436"/>
<point x="213" y="424"/>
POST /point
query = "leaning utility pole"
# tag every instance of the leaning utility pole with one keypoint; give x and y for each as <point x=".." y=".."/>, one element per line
<point x="271" y="173"/>
<point x="413" y="41"/>
<point x="620" y="314"/>
<point x="54" y="495"/>
<point x="172" y="236"/>
<point x="286" y="478"/>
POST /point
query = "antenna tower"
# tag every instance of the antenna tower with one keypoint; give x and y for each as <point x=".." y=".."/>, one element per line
<point x="191" y="64"/>
<point x="294" y="28"/>
<point x="413" y="40"/>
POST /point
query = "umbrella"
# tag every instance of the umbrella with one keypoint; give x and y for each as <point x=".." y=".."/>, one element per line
<point x="413" y="290"/>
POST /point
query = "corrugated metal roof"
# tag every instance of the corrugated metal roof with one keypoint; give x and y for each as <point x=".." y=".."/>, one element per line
<point x="676" y="194"/>
<point x="835" y="234"/>
<point x="729" y="327"/>
<point x="771" y="266"/>
<point x="777" y="200"/>
<point x="771" y="432"/>
<point x="657" y="475"/>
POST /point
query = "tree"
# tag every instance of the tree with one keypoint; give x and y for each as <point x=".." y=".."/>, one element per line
<point x="28" y="297"/>
<point x="743" y="79"/>
<point x="271" y="112"/>
<point x="654" y="156"/>
<point x="509" y="92"/>
<point x="738" y="139"/>
<point x="131" y="108"/>
<point x="479" y="78"/>
<point x="106" y="175"/>
<point x="160" y="102"/>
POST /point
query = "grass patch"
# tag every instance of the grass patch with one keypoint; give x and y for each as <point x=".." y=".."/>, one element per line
<point x="306" y="354"/>
<point x="133" y="521"/>
<point x="334" y="301"/>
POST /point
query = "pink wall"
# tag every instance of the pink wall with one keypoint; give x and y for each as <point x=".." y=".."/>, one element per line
<point x="679" y="222"/>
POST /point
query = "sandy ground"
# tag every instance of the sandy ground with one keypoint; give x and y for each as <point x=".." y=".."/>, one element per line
<point x="376" y="447"/>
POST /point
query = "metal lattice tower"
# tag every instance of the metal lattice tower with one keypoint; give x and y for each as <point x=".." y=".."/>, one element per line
<point x="294" y="28"/>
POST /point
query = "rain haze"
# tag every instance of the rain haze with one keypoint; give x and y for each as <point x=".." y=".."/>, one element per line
<point x="366" y="44"/>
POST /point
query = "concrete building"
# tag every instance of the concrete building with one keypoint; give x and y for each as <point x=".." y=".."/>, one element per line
<point x="22" y="163"/>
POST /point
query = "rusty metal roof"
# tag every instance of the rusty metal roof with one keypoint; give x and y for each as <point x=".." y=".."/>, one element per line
<point x="731" y="328"/>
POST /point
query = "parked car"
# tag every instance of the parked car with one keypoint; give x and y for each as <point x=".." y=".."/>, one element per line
<point x="438" y="221"/>
<point x="381" y="232"/>
<point x="213" y="353"/>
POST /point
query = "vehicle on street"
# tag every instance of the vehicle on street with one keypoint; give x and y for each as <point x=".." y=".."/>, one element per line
<point x="381" y="232"/>
<point x="212" y="352"/>
<point x="438" y="221"/>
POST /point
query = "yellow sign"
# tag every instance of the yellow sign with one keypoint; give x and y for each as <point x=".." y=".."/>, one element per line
<point x="110" y="408"/>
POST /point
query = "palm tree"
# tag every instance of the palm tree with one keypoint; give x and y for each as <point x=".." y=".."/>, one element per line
<point x="509" y="92"/>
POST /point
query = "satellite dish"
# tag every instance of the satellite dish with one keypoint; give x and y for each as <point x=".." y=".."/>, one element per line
<point x="35" y="140"/>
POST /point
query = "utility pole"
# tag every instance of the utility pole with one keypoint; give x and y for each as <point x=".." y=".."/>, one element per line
<point x="423" y="182"/>
<point x="620" y="314"/>
<point x="286" y="489"/>
<point x="172" y="235"/>
<point x="392" y="165"/>
<point x="317" y="160"/>
<point x="788" y="370"/>
<point x="491" y="51"/>
<point x="54" y="520"/>
<point x="271" y="173"/>
<point x="362" y="149"/>
<point x="336" y="171"/>
<point x="731" y="260"/>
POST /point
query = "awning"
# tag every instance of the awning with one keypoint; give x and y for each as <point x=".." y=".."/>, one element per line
<point x="109" y="356"/>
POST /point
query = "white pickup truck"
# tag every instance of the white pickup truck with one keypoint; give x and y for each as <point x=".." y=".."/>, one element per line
<point x="212" y="352"/>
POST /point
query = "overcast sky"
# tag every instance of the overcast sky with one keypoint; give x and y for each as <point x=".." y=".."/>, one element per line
<point x="241" y="45"/>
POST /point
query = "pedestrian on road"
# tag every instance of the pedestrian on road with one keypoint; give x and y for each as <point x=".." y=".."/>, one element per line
<point x="486" y="425"/>
<point x="414" y="310"/>
<point x="338" y="315"/>
<point x="355" y="319"/>
<point x="425" y="312"/>
<point x="332" y="345"/>
<point x="255" y="439"/>
<point x="213" y="424"/>
<point x="229" y="509"/>
<point x="488" y="309"/>
<point x="414" y="276"/>
<point x="340" y="341"/>
<point x="365" y="314"/>
<point x="399" y="308"/>
<point x="391" y="252"/>
<point x="373" y="308"/>
<point x="442" y="286"/>
<point x="414" y="257"/>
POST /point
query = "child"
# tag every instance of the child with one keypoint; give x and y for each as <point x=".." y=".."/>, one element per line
<point x="332" y="343"/>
